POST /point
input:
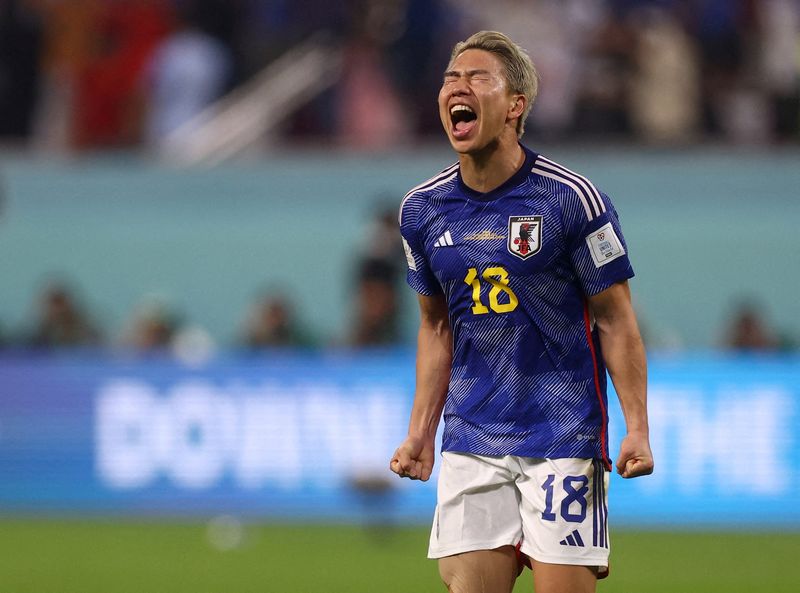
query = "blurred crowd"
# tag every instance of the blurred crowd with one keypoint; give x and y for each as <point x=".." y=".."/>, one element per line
<point x="96" y="74"/>
<point x="61" y="317"/>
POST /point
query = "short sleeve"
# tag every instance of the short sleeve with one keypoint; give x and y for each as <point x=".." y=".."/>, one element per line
<point x="419" y="277"/>
<point x="597" y="248"/>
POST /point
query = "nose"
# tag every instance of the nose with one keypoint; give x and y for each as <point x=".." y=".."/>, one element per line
<point x="459" y="87"/>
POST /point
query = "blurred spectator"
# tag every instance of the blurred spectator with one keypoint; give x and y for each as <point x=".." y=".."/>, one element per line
<point x="378" y="272"/>
<point x="749" y="331"/>
<point x="608" y="64"/>
<point x="61" y="321"/>
<point x="417" y="48"/>
<point x="70" y="33"/>
<point x="779" y="22"/>
<point x="383" y="241"/>
<point x="271" y="323"/>
<point x="376" y="305"/>
<point x="189" y="69"/>
<point x="20" y="53"/>
<point x="665" y="101"/>
<point x="726" y="34"/>
<point x="106" y="113"/>
<point x="370" y="115"/>
<point x="153" y="326"/>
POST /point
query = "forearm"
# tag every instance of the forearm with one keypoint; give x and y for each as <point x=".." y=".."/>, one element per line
<point x="623" y="353"/>
<point x="434" y="360"/>
<point x="625" y="359"/>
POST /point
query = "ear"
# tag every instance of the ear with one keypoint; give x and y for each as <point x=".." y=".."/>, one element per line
<point x="517" y="107"/>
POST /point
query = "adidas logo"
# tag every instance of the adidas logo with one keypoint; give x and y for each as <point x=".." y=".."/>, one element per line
<point x="573" y="539"/>
<point x="444" y="241"/>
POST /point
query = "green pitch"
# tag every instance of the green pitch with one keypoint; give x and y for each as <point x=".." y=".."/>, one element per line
<point x="48" y="556"/>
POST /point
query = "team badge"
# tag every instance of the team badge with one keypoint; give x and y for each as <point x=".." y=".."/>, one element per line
<point x="524" y="235"/>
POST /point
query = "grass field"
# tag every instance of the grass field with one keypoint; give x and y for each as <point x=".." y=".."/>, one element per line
<point x="48" y="556"/>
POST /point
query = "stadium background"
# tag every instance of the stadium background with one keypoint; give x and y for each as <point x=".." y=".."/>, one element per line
<point x="206" y="351"/>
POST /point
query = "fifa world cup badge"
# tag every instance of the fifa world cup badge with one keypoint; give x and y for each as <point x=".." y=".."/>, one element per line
<point x="524" y="235"/>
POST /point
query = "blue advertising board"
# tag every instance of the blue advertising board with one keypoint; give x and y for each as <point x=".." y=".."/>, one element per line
<point x="308" y="437"/>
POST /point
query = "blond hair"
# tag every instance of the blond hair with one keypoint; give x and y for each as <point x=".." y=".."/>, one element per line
<point x="521" y="74"/>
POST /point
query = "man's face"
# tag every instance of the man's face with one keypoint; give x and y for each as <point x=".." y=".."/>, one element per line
<point x="474" y="101"/>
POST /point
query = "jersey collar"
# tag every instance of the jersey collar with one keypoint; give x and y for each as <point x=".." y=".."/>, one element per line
<point x="517" y="178"/>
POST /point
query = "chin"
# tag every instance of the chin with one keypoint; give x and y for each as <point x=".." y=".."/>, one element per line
<point x="474" y="146"/>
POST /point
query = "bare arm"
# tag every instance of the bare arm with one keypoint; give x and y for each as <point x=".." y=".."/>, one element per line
<point x="624" y="356"/>
<point x="414" y="457"/>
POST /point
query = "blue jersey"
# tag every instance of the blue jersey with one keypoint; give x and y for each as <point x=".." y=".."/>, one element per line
<point x="516" y="266"/>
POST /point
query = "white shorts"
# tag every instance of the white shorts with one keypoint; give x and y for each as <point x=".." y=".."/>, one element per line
<point x="556" y="508"/>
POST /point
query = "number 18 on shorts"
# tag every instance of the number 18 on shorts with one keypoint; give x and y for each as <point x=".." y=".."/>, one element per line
<point x="556" y="508"/>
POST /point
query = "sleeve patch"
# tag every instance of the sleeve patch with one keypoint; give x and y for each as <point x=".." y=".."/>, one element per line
<point x="412" y="265"/>
<point x="604" y="245"/>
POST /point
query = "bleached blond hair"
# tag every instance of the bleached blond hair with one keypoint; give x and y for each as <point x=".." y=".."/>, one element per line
<point x="521" y="74"/>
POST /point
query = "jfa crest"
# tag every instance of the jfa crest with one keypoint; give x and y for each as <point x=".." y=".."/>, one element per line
<point x="524" y="235"/>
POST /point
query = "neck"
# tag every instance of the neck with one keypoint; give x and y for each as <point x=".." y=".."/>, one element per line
<point x="490" y="167"/>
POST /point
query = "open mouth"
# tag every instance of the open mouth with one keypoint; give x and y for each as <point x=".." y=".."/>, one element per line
<point x="463" y="119"/>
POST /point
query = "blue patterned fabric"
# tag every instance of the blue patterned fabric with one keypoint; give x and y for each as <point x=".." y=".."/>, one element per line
<point x="527" y="376"/>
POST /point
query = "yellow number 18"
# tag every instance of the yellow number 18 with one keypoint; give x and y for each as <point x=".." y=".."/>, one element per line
<point x="498" y="278"/>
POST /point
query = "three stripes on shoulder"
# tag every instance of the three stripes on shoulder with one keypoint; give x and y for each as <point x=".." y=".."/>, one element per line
<point x="591" y="200"/>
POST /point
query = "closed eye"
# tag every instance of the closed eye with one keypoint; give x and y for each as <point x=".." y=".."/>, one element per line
<point x="478" y="74"/>
<point x="453" y="75"/>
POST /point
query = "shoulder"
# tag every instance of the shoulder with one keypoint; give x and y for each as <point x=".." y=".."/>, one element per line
<point x="571" y="189"/>
<point x="419" y="196"/>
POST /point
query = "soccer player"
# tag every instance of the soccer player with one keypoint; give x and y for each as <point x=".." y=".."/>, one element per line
<point x="522" y="270"/>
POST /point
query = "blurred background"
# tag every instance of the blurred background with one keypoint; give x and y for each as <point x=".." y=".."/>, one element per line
<point x="206" y="341"/>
